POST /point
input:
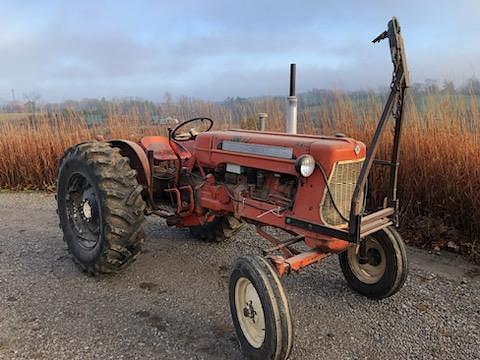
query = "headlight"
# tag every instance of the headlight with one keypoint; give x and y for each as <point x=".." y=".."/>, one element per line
<point x="305" y="165"/>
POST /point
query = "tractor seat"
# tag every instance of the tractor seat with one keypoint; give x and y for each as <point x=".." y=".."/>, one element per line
<point x="162" y="150"/>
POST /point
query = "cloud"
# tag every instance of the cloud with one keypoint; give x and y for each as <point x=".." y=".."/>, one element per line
<point x="214" y="49"/>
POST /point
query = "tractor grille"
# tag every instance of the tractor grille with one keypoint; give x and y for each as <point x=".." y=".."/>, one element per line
<point x="342" y="184"/>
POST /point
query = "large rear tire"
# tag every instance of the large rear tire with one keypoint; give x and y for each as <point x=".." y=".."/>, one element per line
<point x="386" y="270"/>
<point x="260" y="310"/>
<point x="100" y="207"/>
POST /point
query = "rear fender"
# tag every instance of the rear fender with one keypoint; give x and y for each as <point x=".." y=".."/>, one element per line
<point x="138" y="161"/>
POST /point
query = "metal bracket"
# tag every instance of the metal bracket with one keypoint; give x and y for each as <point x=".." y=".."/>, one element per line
<point x="393" y="106"/>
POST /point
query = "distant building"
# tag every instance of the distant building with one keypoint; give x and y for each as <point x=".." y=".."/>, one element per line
<point x="156" y="119"/>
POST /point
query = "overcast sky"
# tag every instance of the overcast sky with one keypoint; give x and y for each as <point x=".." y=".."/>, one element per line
<point x="212" y="49"/>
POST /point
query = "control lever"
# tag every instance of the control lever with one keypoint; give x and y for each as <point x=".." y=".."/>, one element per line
<point x="380" y="37"/>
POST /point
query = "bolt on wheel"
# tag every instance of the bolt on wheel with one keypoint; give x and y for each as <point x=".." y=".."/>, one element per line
<point x="260" y="310"/>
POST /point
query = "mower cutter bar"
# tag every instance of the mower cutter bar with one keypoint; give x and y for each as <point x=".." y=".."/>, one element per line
<point x="381" y="214"/>
<point x="369" y="224"/>
<point x="375" y="226"/>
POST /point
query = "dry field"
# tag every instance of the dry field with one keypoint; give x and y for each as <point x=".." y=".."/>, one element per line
<point x="440" y="159"/>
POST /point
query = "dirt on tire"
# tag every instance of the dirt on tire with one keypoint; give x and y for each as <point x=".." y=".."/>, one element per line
<point x="120" y="206"/>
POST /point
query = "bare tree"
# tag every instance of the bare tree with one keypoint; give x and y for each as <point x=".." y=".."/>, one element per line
<point x="472" y="86"/>
<point x="32" y="98"/>
<point x="448" y="87"/>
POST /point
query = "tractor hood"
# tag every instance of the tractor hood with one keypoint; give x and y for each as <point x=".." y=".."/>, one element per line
<point x="273" y="151"/>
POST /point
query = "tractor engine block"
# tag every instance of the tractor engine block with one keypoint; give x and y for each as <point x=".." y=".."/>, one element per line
<point x="273" y="188"/>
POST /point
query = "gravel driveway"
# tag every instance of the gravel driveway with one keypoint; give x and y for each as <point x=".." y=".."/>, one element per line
<point x="172" y="303"/>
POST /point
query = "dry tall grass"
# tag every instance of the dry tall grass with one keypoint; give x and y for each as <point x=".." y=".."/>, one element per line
<point x="439" y="183"/>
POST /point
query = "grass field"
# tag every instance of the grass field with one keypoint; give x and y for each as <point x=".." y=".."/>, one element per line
<point x="439" y="183"/>
<point x="13" y="116"/>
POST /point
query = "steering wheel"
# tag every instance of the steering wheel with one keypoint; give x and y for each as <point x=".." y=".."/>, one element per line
<point x="191" y="133"/>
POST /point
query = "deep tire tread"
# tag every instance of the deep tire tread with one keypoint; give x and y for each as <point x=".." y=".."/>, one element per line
<point x="121" y="205"/>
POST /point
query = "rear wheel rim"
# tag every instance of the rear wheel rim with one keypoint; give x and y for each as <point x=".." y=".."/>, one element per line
<point x="250" y="313"/>
<point x="83" y="211"/>
<point x="373" y="271"/>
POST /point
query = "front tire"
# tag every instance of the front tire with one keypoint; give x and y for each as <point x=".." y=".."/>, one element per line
<point x="260" y="310"/>
<point x="386" y="270"/>
<point x="100" y="207"/>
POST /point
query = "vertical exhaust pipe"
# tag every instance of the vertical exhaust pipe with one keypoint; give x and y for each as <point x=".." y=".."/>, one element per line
<point x="262" y="117"/>
<point x="291" y="125"/>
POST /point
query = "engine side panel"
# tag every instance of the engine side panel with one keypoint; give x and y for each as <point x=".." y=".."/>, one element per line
<point x="268" y="149"/>
<point x="269" y="153"/>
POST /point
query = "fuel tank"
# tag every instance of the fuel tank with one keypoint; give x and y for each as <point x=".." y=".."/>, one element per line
<point x="273" y="151"/>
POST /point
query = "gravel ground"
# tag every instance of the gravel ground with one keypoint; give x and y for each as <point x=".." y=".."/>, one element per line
<point x="172" y="303"/>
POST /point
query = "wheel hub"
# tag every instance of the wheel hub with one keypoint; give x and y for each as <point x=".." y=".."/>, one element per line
<point x="83" y="211"/>
<point x="249" y="311"/>
<point x="372" y="268"/>
<point x="87" y="210"/>
<point x="374" y="257"/>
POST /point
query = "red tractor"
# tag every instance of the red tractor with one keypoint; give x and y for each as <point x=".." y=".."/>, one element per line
<point x="313" y="188"/>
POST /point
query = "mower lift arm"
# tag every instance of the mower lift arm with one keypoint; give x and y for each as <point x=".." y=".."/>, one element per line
<point x="358" y="226"/>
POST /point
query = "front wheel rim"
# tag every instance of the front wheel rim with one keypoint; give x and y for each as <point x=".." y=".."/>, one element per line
<point x="373" y="271"/>
<point x="250" y="312"/>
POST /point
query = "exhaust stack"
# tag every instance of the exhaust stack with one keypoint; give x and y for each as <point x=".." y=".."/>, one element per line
<point x="291" y="125"/>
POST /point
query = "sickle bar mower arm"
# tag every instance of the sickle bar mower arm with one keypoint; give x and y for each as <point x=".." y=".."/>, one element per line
<point x="361" y="226"/>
